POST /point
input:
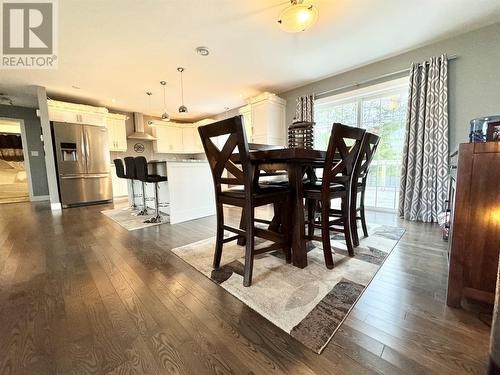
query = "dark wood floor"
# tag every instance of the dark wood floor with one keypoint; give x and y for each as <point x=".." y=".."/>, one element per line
<point x="79" y="294"/>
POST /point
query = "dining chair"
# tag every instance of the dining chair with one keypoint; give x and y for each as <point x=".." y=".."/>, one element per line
<point x="358" y="184"/>
<point x="343" y="149"/>
<point x="245" y="192"/>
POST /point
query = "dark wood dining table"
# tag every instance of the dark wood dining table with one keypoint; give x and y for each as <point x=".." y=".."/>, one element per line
<point x="295" y="161"/>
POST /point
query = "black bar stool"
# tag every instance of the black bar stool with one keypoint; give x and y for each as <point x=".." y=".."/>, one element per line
<point x="131" y="174"/>
<point x="141" y="167"/>
<point x="120" y="170"/>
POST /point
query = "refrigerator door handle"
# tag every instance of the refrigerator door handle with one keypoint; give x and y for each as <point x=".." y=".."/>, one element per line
<point x="87" y="149"/>
<point x="96" y="176"/>
<point x="71" y="177"/>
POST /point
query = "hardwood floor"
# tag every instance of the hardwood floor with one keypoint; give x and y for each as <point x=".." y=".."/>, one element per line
<point x="79" y="294"/>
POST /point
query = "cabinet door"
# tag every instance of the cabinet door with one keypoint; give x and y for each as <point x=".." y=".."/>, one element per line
<point x="198" y="146"/>
<point x="111" y="135"/>
<point x="246" y="113"/>
<point x="61" y="115"/>
<point x="176" y="145"/>
<point x="188" y="140"/>
<point x="161" y="145"/>
<point x="120" y="135"/>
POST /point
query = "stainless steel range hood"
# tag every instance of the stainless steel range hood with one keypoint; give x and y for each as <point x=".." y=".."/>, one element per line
<point x="139" y="132"/>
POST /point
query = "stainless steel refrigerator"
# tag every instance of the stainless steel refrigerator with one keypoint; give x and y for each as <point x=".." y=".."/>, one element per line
<point x="83" y="163"/>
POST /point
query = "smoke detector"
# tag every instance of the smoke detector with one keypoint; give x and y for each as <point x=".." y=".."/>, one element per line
<point x="202" y="51"/>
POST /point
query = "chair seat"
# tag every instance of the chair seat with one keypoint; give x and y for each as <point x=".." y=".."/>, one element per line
<point x="263" y="190"/>
<point x="152" y="178"/>
<point x="316" y="185"/>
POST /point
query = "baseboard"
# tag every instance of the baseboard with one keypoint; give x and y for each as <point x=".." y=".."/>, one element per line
<point x="55" y="206"/>
<point x="39" y="198"/>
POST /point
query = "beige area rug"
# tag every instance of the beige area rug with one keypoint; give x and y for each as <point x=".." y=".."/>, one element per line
<point x="129" y="220"/>
<point x="309" y="304"/>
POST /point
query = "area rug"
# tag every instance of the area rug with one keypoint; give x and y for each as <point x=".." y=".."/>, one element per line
<point x="309" y="304"/>
<point x="129" y="220"/>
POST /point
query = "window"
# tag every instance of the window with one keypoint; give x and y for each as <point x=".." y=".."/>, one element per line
<point x="380" y="109"/>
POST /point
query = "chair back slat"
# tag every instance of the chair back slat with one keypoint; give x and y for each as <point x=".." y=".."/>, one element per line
<point x="219" y="158"/>
<point x="341" y="155"/>
<point x="366" y="153"/>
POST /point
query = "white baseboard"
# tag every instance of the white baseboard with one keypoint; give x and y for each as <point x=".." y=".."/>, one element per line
<point x="55" y="206"/>
<point x="39" y="198"/>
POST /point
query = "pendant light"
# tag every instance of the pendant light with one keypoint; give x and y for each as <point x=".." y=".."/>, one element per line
<point x="149" y="93"/>
<point x="164" y="116"/>
<point x="297" y="17"/>
<point x="182" y="108"/>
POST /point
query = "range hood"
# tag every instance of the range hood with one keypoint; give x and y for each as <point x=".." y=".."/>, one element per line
<point x="139" y="132"/>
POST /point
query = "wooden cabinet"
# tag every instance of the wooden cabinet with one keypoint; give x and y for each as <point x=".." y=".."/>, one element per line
<point x="117" y="132"/>
<point x="475" y="225"/>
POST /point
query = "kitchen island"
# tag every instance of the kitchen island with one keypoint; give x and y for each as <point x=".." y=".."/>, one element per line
<point x="187" y="195"/>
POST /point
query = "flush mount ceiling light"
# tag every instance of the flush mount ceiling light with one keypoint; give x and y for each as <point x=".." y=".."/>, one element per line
<point x="164" y="116"/>
<point x="182" y="108"/>
<point x="202" y="51"/>
<point x="297" y="17"/>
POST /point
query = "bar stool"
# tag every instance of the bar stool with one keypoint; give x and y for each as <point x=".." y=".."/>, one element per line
<point x="141" y="167"/>
<point x="120" y="170"/>
<point x="131" y="174"/>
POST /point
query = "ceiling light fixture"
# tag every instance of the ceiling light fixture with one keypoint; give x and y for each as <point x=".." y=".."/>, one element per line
<point x="182" y="108"/>
<point x="202" y="51"/>
<point x="164" y="116"/>
<point x="297" y="17"/>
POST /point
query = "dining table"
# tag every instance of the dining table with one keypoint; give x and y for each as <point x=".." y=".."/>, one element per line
<point x="296" y="162"/>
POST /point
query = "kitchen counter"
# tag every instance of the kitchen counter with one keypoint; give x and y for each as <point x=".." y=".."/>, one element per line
<point x="187" y="195"/>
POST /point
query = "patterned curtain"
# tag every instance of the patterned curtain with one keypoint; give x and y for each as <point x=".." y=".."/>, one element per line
<point x="424" y="171"/>
<point x="305" y="109"/>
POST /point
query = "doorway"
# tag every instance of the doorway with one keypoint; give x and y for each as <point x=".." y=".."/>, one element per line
<point x="14" y="186"/>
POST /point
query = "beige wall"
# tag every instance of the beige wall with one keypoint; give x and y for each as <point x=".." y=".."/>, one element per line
<point x="474" y="77"/>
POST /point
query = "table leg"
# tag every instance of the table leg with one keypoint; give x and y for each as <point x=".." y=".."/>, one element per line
<point x="299" y="252"/>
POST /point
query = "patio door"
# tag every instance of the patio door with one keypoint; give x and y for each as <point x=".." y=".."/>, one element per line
<point x="380" y="109"/>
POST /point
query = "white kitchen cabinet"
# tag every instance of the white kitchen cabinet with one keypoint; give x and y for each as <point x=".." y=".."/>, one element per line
<point x="246" y="113"/>
<point x="76" y="113"/>
<point x="267" y="117"/>
<point x="168" y="139"/>
<point x="120" y="186"/>
<point x="117" y="132"/>
<point x="188" y="139"/>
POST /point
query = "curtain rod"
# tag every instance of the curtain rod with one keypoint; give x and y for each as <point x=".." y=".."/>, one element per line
<point x="357" y="84"/>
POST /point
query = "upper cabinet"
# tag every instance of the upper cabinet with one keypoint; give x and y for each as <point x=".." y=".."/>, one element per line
<point x="267" y="119"/>
<point x="117" y="132"/>
<point x="178" y="138"/>
<point x="98" y="116"/>
<point x="76" y="113"/>
<point x="168" y="138"/>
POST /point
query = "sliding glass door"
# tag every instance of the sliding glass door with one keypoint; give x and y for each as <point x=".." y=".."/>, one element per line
<point x="379" y="109"/>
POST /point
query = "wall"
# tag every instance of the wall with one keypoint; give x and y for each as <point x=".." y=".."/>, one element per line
<point x="33" y="132"/>
<point x="474" y="77"/>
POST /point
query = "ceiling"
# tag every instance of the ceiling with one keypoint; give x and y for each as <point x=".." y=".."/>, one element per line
<point x="115" y="50"/>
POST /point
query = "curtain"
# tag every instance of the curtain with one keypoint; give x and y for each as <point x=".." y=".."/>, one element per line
<point x="305" y="109"/>
<point x="424" y="171"/>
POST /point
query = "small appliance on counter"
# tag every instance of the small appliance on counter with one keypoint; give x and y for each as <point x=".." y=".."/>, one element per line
<point x="479" y="128"/>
